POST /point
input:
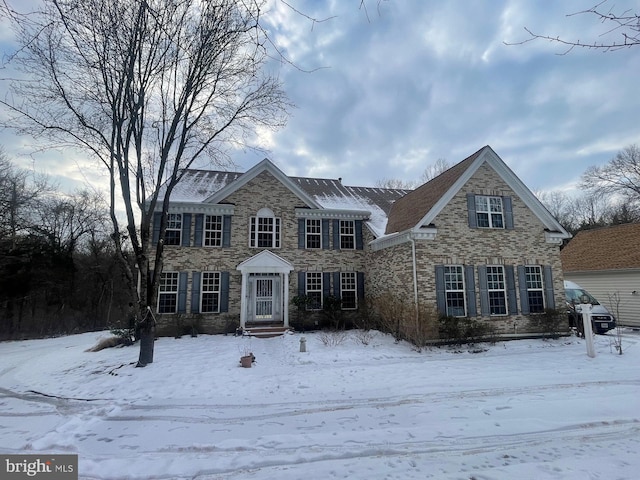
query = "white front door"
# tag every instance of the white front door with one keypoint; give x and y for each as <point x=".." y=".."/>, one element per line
<point x="265" y="298"/>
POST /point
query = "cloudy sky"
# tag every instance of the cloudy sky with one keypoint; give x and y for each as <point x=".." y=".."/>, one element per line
<point x="387" y="92"/>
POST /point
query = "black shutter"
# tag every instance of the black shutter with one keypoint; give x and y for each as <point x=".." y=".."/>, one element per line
<point x="508" y="213"/>
<point x="302" y="225"/>
<point x="302" y="283"/>
<point x="226" y="231"/>
<point x="325" y="234"/>
<point x="471" y="209"/>
<point x="195" y="291"/>
<point x="224" y="291"/>
<point x="157" y="216"/>
<point x="326" y="284"/>
<point x="548" y="287"/>
<point x="484" y="290"/>
<point x="359" y="241"/>
<point x="182" y="292"/>
<point x="441" y="299"/>
<point x="524" y="294"/>
<point x="470" y="286"/>
<point x="197" y="233"/>
<point x="336" y="285"/>
<point x="360" y="280"/>
<point x="186" y="229"/>
<point x="336" y="234"/>
<point x="511" y="290"/>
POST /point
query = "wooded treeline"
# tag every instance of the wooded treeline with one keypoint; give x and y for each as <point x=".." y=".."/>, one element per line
<point x="59" y="271"/>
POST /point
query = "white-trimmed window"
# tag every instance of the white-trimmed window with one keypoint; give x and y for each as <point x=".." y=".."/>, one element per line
<point x="213" y="230"/>
<point x="173" y="233"/>
<point x="210" y="292"/>
<point x="454" y="290"/>
<point x="348" y="290"/>
<point x="535" y="288"/>
<point x="265" y="230"/>
<point x="313" y="233"/>
<point x="168" y="293"/>
<point x="314" y="290"/>
<point x="489" y="212"/>
<point x="347" y="235"/>
<point x="496" y="288"/>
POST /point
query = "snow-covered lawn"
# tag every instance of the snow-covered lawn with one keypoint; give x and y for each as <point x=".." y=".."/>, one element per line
<point x="528" y="409"/>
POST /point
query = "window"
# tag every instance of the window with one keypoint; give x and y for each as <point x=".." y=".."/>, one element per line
<point x="313" y="233"/>
<point x="489" y="212"/>
<point x="314" y="290"/>
<point x="348" y="290"/>
<point x="265" y="230"/>
<point x="535" y="291"/>
<point x="210" y="299"/>
<point x="496" y="290"/>
<point x="168" y="293"/>
<point x="454" y="290"/>
<point x="213" y="230"/>
<point x="347" y="235"/>
<point x="173" y="233"/>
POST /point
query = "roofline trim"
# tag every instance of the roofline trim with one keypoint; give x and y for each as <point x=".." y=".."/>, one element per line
<point x="511" y="179"/>
<point x="265" y="165"/>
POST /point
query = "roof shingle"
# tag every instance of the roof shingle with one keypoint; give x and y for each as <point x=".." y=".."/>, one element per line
<point x="606" y="248"/>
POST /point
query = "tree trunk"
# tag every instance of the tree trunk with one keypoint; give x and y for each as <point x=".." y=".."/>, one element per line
<point x="147" y="337"/>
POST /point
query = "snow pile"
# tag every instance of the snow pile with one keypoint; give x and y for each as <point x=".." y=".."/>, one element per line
<point x="529" y="409"/>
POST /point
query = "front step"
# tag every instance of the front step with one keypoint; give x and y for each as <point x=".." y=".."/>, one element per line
<point x="265" y="331"/>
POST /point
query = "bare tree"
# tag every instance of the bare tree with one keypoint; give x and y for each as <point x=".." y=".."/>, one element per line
<point x="621" y="30"/>
<point x="147" y="87"/>
<point x="429" y="173"/>
<point x="432" y="171"/>
<point x="620" y="176"/>
<point x="20" y="191"/>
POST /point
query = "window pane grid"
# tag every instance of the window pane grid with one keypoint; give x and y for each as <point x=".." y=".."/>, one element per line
<point x="213" y="230"/>
<point x="314" y="233"/>
<point x="173" y="233"/>
<point x="454" y="290"/>
<point x="348" y="290"/>
<point x="535" y="292"/>
<point x="210" y="302"/>
<point x="314" y="290"/>
<point x="347" y="234"/>
<point x="489" y="212"/>
<point x="168" y="293"/>
<point x="496" y="288"/>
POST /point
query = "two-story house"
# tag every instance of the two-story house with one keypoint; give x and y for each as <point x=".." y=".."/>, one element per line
<point x="472" y="242"/>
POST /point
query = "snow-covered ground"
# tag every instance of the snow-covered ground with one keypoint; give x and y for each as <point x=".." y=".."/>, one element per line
<point x="528" y="409"/>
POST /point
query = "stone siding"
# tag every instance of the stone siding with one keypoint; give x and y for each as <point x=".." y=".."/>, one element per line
<point x="264" y="191"/>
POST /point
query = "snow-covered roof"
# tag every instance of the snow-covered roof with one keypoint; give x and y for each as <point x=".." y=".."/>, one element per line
<point x="199" y="186"/>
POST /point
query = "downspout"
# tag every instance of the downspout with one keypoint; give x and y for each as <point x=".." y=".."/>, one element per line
<point x="415" y="275"/>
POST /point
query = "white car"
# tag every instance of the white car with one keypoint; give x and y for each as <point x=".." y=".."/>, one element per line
<point x="601" y="319"/>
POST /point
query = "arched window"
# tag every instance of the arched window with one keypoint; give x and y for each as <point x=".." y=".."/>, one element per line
<point x="265" y="230"/>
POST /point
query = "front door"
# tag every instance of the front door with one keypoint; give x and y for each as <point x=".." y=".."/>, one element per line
<point x="265" y="298"/>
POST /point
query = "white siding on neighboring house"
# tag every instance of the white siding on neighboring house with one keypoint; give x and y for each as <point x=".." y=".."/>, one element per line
<point x="614" y="289"/>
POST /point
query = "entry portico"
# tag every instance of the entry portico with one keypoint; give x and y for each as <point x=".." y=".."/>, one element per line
<point x="265" y="290"/>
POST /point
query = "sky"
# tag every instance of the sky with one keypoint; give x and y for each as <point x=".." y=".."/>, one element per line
<point x="384" y="93"/>
<point x="357" y="406"/>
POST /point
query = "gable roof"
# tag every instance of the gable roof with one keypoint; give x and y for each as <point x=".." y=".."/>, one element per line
<point x="420" y="207"/>
<point x="606" y="248"/>
<point x="206" y="186"/>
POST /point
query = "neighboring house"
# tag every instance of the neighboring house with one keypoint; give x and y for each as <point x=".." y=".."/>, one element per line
<point x="606" y="262"/>
<point x="472" y="242"/>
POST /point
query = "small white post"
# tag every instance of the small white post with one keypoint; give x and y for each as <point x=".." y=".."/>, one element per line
<point x="303" y="344"/>
<point x="588" y="331"/>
